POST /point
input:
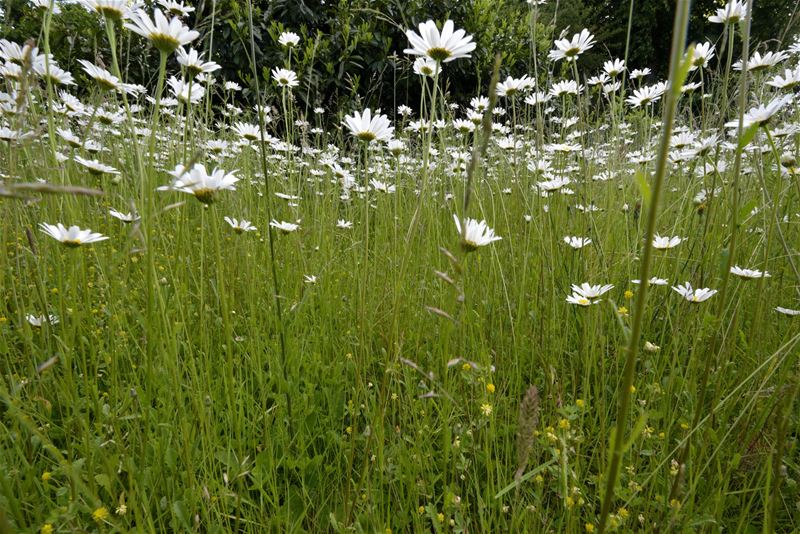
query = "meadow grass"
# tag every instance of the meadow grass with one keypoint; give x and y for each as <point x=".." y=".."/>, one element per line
<point x="408" y="383"/>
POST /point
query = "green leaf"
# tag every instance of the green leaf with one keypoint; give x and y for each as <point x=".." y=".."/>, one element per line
<point x="723" y="260"/>
<point x="683" y="72"/>
<point x="747" y="136"/>
<point x="103" y="481"/>
<point x="523" y="478"/>
<point x="644" y="187"/>
<point x="746" y="210"/>
<point x="179" y="511"/>
<point x="638" y="428"/>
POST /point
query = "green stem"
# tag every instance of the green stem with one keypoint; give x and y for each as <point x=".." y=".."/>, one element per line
<point x="678" y="39"/>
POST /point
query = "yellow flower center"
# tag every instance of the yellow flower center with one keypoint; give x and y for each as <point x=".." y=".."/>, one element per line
<point x="439" y="54"/>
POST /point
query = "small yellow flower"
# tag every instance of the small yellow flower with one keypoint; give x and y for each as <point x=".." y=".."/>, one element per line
<point x="623" y="513"/>
<point x="563" y="424"/>
<point x="349" y="429"/>
<point x="588" y="527"/>
<point x="486" y="408"/>
<point x="622" y="310"/>
<point x="440" y="517"/>
<point x="490" y="388"/>
<point x="685" y="426"/>
<point x="570" y="502"/>
<point x="675" y="503"/>
<point x="100" y="514"/>
<point x="633" y="389"/>
<point x="580" y="403"/>
<point x="628" y="294"/>
<point x="421" y="510"/>
<point x="538" y="479"/>
<point x="47" y="475"/>
<point x="47" y="528"/>
<point x="466" y="367"/>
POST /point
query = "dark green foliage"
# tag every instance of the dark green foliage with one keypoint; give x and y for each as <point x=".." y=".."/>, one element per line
<point x="352" y="50"/>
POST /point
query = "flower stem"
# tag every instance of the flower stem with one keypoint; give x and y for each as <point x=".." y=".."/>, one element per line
<point x="678" y="39"/>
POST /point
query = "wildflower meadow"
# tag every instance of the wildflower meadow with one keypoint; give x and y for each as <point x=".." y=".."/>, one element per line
<point x="562" y="297"/>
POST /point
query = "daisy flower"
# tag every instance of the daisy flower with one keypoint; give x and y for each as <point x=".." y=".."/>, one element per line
<point x="475" y="234"/>
<point x="663" y="243"/>
<point x="72" y="236"/>
<point x="425" y="66"/>
<point x="289" y="39"/>
<point x="193" y="61"/>
<point x="748" y="273"/>
<point x="577" y="242"/>
<point x="368" y="128"/>
<point x="580" y="300"/>
<point x="285" y="78"/>
<point x="166" y="35"/>
<point x="703" y="53"/>
<point x="54" y="73"/>
<point x="124" y="217"/>
<point x="110" y="9"/>
<point x="589" y="291"/>
<point x="196" y="181"/>
<point x="377" y="185"/>
<point x="95" y="167"/>
<point x="694" y="295"/>
<point x="733" y="12"/>
<point x="39" y="320"/>
<point x="441" y="47"/>
<point x="758" y="62"/>
<point x="614" y="68"/>
<point x="284" y="227"/>
<point x="570" y="49"/>
<point x="646" y="95"/>
<point x="654" y="281"/>
<point x="240" y="226"/>
<point x="178" y="9"/>
<point x="248" y="132"/>
<point x="762" y="113"/>
<point x="186" y="92"/>
<point x="788" y="80"/>
<point x="104" y="79"/>
<point x="512" y="86"/>
<point x="344" y="224"/>
<point x="395" y="146"/>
